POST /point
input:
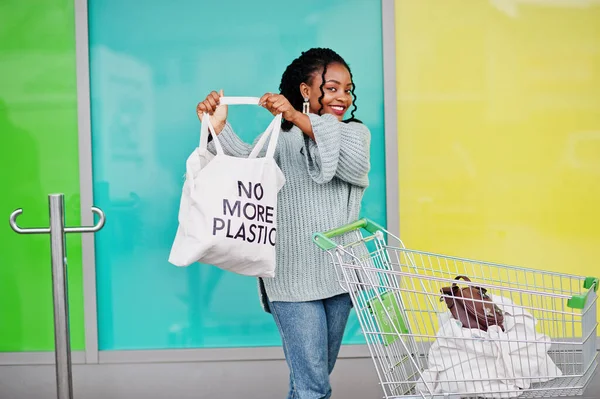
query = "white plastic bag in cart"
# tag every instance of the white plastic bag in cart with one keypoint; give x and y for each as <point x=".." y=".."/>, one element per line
<point x="228" y="210"/>
<point x="493" y="364"/>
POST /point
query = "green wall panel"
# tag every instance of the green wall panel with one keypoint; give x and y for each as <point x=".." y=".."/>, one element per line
<point x="38" y="156"/>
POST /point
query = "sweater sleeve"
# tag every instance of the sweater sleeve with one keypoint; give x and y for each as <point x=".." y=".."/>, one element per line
<point x="339" y="150"/>
<point x="234" y="146"/>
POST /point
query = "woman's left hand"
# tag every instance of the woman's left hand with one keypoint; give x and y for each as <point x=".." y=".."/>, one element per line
<point x="278" y="104"/>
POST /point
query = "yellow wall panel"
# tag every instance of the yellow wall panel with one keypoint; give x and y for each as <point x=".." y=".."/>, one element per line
<point x="499" y="130"/>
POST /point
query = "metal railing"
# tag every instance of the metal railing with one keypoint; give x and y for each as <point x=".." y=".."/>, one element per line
<point x="57" y="231"/>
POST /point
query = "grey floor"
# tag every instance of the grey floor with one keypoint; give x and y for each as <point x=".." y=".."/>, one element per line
<point x="593" y="389"/>
<point x="354" y="378"/>
<point x="591" y="392"/>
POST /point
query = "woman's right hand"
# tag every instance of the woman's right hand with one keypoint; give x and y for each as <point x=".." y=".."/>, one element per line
<point x="217" y="112"/>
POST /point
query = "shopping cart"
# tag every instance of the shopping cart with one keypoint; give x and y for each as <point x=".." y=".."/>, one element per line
<point x="396" y="293"/>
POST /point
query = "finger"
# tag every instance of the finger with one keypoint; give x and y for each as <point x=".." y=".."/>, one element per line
<point x="210" y="109"/>
<point x="271" y="102"/>
<point x="275" y="106"/>
<point x="212" y="104"/>
<point x="278" y="103"/>
<point x="201" y="107"/>
<point x="215" y="97"/>
<point x="268" y="105"/>
<point x="264" y="98"/>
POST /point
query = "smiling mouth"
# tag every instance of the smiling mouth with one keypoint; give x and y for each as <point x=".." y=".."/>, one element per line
<point x="338" y="109"/>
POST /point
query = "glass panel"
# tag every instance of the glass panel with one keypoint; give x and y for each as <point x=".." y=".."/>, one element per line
<point x="38" y="155"/>
<point x="148" y="71"/>
<point x="499" y="140"/>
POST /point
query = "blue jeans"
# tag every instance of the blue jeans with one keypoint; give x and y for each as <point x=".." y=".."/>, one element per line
<point x="312" y="334"/>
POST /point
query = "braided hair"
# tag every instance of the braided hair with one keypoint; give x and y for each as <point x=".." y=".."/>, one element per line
<point x="301" y="70"/>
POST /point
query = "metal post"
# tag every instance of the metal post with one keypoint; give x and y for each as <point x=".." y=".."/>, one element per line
<point x="57" y="231"/>
<point x="62" y="343"/>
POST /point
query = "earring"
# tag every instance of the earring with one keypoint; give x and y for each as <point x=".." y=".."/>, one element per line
<point x="305" y="106"/>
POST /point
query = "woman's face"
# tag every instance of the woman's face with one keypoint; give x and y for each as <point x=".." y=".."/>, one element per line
<point x="337" y="91"/>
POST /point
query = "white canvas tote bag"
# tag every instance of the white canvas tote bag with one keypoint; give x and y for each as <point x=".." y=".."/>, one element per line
<point x="228" y="209"/>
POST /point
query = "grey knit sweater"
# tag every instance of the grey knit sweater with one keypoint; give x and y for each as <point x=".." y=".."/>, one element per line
<point x="325" y="182"/>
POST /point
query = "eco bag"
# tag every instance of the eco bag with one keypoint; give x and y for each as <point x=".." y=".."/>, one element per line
<point x="228" y="210"/>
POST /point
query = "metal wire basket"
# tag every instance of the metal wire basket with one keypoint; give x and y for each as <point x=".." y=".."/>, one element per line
<point x="421" y="351"/>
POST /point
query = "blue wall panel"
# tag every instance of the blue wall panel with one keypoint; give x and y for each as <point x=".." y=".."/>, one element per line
<point x="150" y="65"/>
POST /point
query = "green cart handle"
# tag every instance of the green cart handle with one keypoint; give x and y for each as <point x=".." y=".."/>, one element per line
<point x="579" y="301"/>
<point x="325" y="242"/>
